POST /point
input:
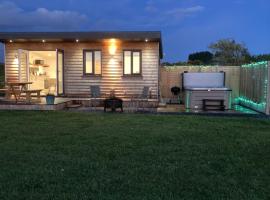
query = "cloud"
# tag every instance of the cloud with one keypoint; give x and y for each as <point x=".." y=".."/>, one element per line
<point x="180" y="13"/>
<point x="13" y="17"/>
<point x="165" y="16"/>
<point x="155" y="18"/>
<point x="156" y="14"/>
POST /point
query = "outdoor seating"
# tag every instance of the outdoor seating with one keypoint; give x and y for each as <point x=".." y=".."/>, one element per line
<point x="95" y="95"/>
<point x="16" y="89"/>
<point x="142" y="98"/>
<point x="29" y="93"/>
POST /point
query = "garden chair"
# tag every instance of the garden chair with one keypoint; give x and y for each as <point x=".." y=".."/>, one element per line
<point x="95" y="95"/>
<point x="145" y="93"/>
<point x="143" y="97"/>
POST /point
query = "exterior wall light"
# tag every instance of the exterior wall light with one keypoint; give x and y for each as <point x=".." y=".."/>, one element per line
<point x="43" y="41"/>
<point x="146" y="40"/>
<point x="10" y="41"/>
<point x="112" y="47"/>
<point x="77" y="40"/>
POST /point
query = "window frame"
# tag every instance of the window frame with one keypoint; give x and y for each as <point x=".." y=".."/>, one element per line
<point x="131" y="61"/>
<point x="93" y="62"/>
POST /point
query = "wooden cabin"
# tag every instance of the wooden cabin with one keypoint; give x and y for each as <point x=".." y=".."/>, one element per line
<point x="68" y="63"/>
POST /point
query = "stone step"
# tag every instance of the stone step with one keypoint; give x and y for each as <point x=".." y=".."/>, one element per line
<point x="74" y="106"/>
<point x="162" y="105"/>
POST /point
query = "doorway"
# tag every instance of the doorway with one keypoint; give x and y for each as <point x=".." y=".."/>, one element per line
<point x="60" y="71"/>
<point x="45" y="69"/>
<point x="42" y="71"/>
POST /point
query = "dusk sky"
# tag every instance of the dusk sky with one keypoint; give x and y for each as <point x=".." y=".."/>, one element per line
<point x="187" y="25"/>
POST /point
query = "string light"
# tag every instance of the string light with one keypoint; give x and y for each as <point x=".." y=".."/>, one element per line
<point x="257" y="64"/>
<point x="247" y="101"/>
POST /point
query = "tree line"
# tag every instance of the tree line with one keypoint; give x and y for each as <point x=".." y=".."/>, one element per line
<point x="223" y="52"/>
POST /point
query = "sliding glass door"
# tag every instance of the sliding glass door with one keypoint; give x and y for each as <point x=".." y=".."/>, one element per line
<point x="23" y="64"/>
<point x="60" y="71"/>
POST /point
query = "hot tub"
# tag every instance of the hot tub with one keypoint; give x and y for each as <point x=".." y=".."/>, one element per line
<point x="210" y="86"/>
<point x="194" y="97"/>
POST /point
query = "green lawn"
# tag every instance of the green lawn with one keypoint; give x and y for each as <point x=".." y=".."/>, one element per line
<point x="65" y="155"/>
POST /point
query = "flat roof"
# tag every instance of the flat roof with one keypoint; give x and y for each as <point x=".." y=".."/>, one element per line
<point x="129" y="36"/>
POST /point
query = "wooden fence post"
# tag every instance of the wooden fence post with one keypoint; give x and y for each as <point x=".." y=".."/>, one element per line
<point x="268" y="91"/>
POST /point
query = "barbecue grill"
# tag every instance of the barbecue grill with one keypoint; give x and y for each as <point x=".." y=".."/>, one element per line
<point x="176" y="94"/>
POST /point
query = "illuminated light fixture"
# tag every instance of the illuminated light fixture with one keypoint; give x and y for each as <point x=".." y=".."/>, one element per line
<point x="77" y="40"/>
<point x="247" y="100"/>
<point x="112" y="40"/>
<point x="43" y="41"/>
<point x="259" y="106"/>
<point x="49" y="54"/>
<point x="257" y="64"/>
<point x="146" y="40"/>
<point x="10" y="41"/>
<point x="112" y="47"/>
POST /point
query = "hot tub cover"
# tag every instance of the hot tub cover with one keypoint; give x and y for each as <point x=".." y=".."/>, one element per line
<point x="208" y="89"/>
<point x="203" y="80"/>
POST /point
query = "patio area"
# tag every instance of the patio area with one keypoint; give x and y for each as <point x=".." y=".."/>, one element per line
<point x="178" y="108"/>
<point x="129" y="106"/>
<point x="59" y="104"/>
<point x="80" y="104"/>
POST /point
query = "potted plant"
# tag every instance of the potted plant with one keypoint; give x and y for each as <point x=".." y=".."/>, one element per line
<point x="50" y="97"/>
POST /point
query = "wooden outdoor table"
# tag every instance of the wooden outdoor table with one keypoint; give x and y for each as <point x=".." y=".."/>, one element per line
<point x="17" y="92"/>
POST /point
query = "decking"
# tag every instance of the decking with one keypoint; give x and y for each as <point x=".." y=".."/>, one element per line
<point x="60" y="104"/>
<point x="129" y="106"/>
<point x="177" y="109"/>
<point x="73" y="103"/>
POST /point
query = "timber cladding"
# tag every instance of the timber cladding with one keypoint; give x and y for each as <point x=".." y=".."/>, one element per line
<point x="76" y="84"/>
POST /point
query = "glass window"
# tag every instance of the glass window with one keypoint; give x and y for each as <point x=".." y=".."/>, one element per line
<point x="92" y="62"/>
<point x="60" y="66"/>
<point x="98" y="62"/>
<point x="127" y="62"/>
<point x="132" y="62"/>
<point x="136" y="63"/>
<point x="88" y="62"/>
